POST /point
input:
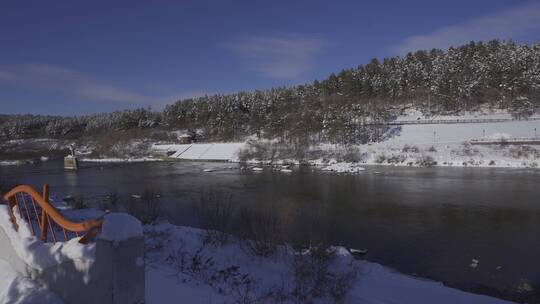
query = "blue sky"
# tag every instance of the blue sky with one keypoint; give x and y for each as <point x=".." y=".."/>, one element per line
<point x="78" y="57"/>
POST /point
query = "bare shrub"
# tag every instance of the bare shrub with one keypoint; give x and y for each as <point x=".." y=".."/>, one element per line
<point x="426" y="161"/>
<point x="111" y="202"/>
<point x="432" y="149"/>
<point x="412" y="149"/>
<point x="313" y="277"/>
<point x="271" y="151"/>
<point x="395" y="159"/>
<point x="76" y="202"/>
<point x="154" y="241"/>
<point x="215" y="214"/>
<point x="381" y="158"/>
<point x="340" y="284"/>
<point x="523" y="152"/>
<point x="257" y="150"/>
<point x="260" y="232"/>
<point x="122" y="143"/>
<point x="196" y="265"/>
<point x="351" y="155"/>
<point x="202" y="268"/>
<point x="467" y="150"/>
<point x="147" y="208"/>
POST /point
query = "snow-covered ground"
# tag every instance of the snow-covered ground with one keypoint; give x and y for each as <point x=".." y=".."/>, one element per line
<point x="217" y="275"/>
<point x="17" y="289"/>
<point x="449" y="145"/>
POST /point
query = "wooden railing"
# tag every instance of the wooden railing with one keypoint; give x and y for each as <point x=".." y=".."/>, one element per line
<point x="43" y="218"/>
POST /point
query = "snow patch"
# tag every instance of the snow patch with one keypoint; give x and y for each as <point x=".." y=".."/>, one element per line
<point x="17" y="289"/>
<point x="120" y="227"/>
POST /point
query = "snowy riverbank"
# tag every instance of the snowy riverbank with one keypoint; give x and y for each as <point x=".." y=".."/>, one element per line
<point x="228" y="274"/>
<point x="418" y="145"/>
<point x="182" y="264"/>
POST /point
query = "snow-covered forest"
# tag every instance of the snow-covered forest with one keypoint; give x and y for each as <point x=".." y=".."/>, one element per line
<point x="499" y="74"/>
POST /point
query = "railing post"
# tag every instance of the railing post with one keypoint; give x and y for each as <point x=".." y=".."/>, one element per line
<point x="46" y="192"/>
<point x="11" y="205"/>
<point x="44" y="217"/>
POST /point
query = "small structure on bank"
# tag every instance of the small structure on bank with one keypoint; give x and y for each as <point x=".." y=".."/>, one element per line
<point x="70" y="161"/>
<point x="186" y="138"/>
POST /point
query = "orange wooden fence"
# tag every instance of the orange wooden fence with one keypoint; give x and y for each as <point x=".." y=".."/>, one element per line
<point x="44" y="219"/>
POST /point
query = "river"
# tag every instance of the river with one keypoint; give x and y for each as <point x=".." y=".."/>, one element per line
<point x="429" y="222"/>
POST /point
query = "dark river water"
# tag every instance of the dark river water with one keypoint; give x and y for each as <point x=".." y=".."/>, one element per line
<point x="429" y="222"/>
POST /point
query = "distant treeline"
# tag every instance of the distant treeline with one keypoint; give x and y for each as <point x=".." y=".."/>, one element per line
<point x="498" y="74"/>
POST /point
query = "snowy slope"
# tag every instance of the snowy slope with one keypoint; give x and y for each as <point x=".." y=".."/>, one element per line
<point x="212" y="151"/>
<point x="458" y="133"/>
<point x="413" y="114"/>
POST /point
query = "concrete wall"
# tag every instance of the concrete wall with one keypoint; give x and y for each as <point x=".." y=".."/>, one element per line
<point x="116" y="276"/>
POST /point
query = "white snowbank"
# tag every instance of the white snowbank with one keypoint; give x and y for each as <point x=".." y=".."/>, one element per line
<point x="16" y="289"/>
<point x="120" y="226"/>
<point x="39" y="255"/>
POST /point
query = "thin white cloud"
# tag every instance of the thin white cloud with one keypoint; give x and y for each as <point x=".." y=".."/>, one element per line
<point x="282" y="57"/>
<point x="79" y="86"/>
<point x="6" y="76"/>
<point x="509" y="24"/>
